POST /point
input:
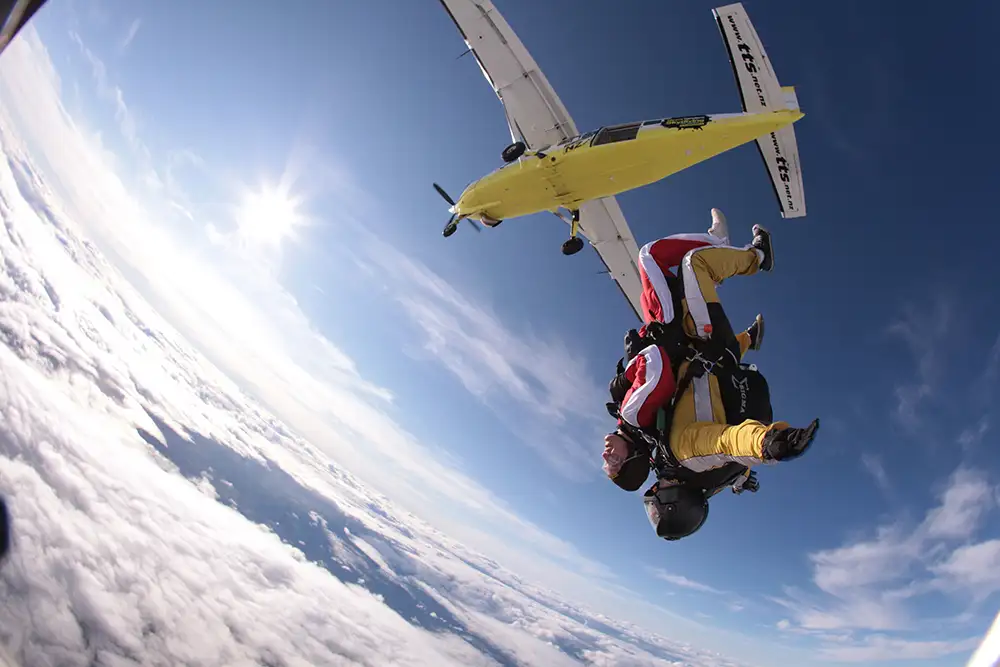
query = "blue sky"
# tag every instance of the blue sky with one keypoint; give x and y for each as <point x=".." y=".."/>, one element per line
<point x="476" y="365"/>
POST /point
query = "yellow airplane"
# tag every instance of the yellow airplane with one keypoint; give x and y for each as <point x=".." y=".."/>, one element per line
<point x="550" y="166"/>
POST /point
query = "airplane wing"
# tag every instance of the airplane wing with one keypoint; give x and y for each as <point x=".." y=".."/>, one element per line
<point x="537" y="117"/>
<point x="603" y="223"/>
<point x="534" y="112"/>
<point x="761" y="92"/>
<point x="14" y="14"/>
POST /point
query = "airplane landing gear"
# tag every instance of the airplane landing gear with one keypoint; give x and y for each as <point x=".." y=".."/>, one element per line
<point x="514" y="151"/>
<point x="450" y="228"/>
<point x="574" y="244"/>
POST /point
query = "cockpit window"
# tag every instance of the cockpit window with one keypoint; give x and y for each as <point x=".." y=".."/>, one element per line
<point x="614" y="133"/>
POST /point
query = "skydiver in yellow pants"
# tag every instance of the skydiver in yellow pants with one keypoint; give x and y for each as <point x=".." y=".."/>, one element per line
<point x="702" y="269"/>
<point x="700" y="438"/>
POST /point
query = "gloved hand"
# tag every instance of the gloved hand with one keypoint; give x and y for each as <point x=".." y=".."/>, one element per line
<point x="618" y="387"/>
<point x="747" y="482"/>
<point x="656" y="329"/>
<point x="633" y="344"/>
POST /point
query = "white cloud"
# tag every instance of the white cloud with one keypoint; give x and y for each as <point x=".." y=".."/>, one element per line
<point x="302" y="376"/>
<point x="932" y="332"/>
<point x="535" y="375"/>
<point x="971" y="436"/>
<point x="974" y="567"/>
<point x="683" y="582"/>
<point x="923" y="331"/>
<point x="265" y="340"/>
<point x="258" y="334"/>
<point x="881" y="648"/>
<point x="113" y="557"/>
<point x="133" y="30"/>
<point x="874" y="584"/>
<point x="965" y="501"/>
<point x="861" y="564"/>
<point x="117" y="559"/>
<point x="873" y="465"/>
<point x="126" y="119"/>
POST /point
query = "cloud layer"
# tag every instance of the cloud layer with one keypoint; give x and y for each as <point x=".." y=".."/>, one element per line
<point x="162" y="517"/>
<point x="111" y="409"/>
<point x="256" y="333"/>
<point x="512" y="373"/>
<point x="868" y="586"/>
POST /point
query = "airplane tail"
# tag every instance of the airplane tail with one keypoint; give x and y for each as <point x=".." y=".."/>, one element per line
<point x="760" y="92"/>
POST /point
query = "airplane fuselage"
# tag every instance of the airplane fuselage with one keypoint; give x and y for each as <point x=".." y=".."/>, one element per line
<point x="610" y="161"/>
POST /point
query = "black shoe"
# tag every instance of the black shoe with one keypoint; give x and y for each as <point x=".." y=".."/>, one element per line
<point x="762" y="241"/>
<point x="756" y="332"/>
<point x="790" y="443"/>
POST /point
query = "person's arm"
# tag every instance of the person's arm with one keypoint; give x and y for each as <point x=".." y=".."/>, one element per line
<point x="651" y="385"/>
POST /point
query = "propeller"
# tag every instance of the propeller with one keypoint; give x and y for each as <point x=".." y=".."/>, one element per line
<point x="444" y="194"/>
<point x="450" y="228"/>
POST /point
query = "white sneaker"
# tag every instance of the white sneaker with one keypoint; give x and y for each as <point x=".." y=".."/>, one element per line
<point x="719" y="228"/>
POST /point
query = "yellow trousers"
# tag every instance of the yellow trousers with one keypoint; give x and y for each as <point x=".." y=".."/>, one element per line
<point x="703" y="269"/>
<point x="700" y="438"/>
<point x="702" y="446"/>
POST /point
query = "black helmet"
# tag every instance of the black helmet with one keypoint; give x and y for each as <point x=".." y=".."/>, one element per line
<point x="675" y="511"/>
<point x="635" y="470"/>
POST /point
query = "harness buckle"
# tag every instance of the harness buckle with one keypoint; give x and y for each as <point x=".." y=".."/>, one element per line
<point x="707" y="365"/>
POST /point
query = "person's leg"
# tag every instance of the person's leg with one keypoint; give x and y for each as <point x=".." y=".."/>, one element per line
<point x="719" y="228"/>
<point x="703" y="269"/>
<point x="744" y="341"/>
<point x="656" y="259"/>
<point x="702" y="446"/>
<point x="752" y="337"/>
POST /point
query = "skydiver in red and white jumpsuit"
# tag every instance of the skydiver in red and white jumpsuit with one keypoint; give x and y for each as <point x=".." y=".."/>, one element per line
<point x="648" y="382"/>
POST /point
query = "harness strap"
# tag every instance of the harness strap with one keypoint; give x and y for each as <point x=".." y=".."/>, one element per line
<point x="703" y="357"/>
<point x="711" y="356"/>
<point x="665" y="417"/>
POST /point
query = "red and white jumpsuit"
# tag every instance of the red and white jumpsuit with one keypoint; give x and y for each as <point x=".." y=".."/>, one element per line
<point x="649" y="375"/>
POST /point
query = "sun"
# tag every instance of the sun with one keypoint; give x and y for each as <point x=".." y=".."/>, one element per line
<point x="268" y="217"/>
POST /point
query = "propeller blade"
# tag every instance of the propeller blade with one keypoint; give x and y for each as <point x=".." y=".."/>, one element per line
<point x="474" y="225"/>
<point x="444" y="194"/>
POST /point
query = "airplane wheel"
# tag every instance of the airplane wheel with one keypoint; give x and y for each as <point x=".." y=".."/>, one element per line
<point x="513" y="152"/>
<point x="449" y="230"/>
<point x="572" y="246"/>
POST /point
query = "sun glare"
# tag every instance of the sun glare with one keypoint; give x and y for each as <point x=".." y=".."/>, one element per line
<point x="268" y="217"/>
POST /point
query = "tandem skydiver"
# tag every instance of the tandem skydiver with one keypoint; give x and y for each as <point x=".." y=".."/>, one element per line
<point x="716" y="420"/>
